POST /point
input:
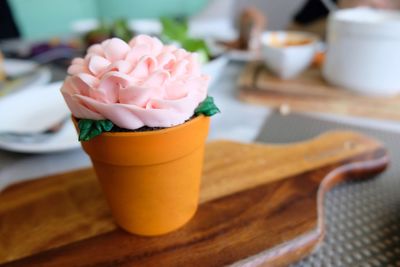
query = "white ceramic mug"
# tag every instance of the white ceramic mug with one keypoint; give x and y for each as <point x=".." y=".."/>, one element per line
<point x="364" y="51"/>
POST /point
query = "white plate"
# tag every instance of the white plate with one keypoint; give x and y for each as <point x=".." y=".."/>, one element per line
<point x="47" y="104"/>
<point x="17" y="67"/>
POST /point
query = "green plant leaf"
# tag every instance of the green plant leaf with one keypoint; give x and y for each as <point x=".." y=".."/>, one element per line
<point x="177" y="30"/>
<point x="174" y="30"/>
<point x="207" y="107"/>
<point x="121" y="30"/>
<point x="196" y="45"/>
<point x="91" y="128"/>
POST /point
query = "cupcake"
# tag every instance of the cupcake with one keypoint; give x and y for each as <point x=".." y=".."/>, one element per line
<point x="142" y="113"/>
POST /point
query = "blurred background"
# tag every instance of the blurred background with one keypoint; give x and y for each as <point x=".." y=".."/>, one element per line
<point x="31" y="21"/>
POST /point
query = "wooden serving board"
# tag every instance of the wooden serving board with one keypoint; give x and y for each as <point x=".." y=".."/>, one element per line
<point x="260" y="205"/>
<point x="310" y="93"/>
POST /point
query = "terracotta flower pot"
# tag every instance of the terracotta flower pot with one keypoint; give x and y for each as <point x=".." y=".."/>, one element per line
<point x="151" y="179"/>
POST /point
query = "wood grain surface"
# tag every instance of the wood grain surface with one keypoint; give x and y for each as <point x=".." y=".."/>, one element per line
<point x="309" y="92"/>
<point x="260" y="205"/>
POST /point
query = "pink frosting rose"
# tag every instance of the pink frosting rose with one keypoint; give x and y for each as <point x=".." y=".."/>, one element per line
<point x="135" y="84"/>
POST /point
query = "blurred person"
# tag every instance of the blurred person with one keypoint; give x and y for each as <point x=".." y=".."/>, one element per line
<point x="312" y="15"/>
<point x="8" y="28"/>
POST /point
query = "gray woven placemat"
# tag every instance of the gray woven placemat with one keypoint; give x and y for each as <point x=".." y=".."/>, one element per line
<point x="362" y="218"/>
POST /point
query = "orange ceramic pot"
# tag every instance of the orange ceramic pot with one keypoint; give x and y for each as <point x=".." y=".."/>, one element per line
<point x="151" y="179"/>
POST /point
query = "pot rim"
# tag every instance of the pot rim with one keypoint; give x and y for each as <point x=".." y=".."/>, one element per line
<point x="153" y="132"/>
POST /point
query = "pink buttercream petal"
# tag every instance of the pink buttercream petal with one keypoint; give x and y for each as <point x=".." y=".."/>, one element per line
<point x="133" y="117"/>
<point x="151" y="104"/>
<point x="157" y="46"/>
<point x="180" y="54"/>
<point x="198" y="86"/>
<point x="166" y="61"/>
<point x="176" y="89"/>
<point x="139" y="39"/>
<point x="193" y="68"/>
<point x="153" y="43"/>
<point x="77" y="60"/>
<point x="182" y="88"/>
<point x="156" y="79"/>
<point x="75" y="69"/>
<point x="121" y="79"/>
<point x="88" y="79"/>
<point x="145" y="66"/>
<point x="180" y="68"/>
<point x="140" y="95"/>
<point x="176" y="105"/>
<point x="79" y="110"/>
<point x="96" y="49"/>
<point x="122" y="66"/>
<point x="115" y="49"/>
<point x="121" y="117"/>
<point x="137" y="53"/>
<point x="74" y="85"/>
<point x="105" y="42"/>
<point x="134" y="95"/>
<point x="68" y="86"/>
<point x="110" y="85"/>
<point x="169" y="49"/>
<point x="98" y="64"/>
<point x="99" y="95"/>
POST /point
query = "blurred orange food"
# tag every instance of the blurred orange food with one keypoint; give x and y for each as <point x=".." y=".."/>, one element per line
<point x="291" y="43"/>
<point x="289" y="40"/>
<point x="319" y="59"/>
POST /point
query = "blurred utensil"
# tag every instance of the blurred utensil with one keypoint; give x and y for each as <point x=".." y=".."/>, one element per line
<point x="13" y="77"/>
<point x="34" y="137"/>
<point x="21" y="74"/>
<point x="14" y="84"/>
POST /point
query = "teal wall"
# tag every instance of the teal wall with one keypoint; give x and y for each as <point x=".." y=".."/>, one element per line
<point x="148" y="8"/>
<point x="41" y="19"/>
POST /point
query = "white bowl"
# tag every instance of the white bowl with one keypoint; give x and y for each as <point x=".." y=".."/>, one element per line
<point x="288" y="61"/>
<point x="215" y="67"/>
<point x="364" y="51"/>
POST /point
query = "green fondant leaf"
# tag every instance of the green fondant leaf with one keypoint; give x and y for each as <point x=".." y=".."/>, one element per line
<point x="207" y="107"/>
<point x="91" y="128"/>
